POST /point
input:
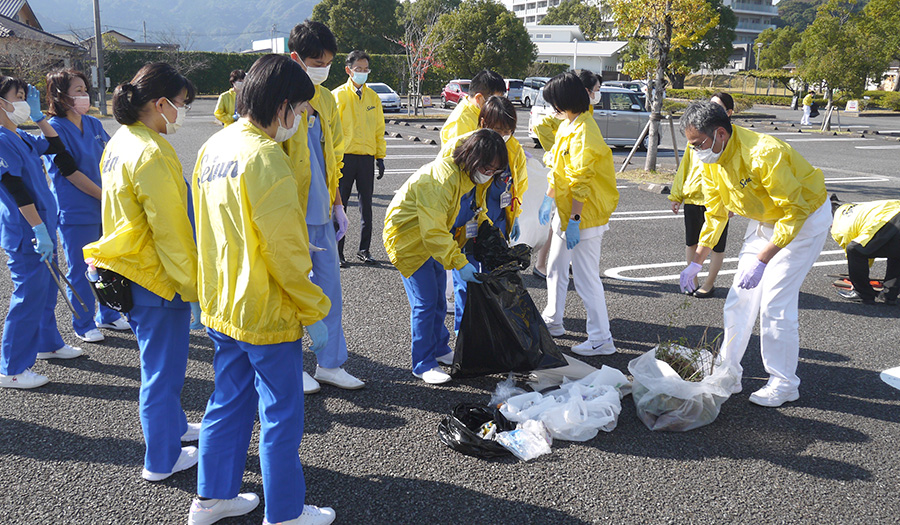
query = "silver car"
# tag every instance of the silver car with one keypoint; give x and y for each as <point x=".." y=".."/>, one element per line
<point x="621" y="116"/>
<point x="531" y="89"/>
<point x="390" y="100"/>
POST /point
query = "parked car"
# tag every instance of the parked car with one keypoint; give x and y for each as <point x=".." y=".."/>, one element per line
<point x="632" y="85"/>
<point x="621" y="116"/>
<point x="390" y="100"/>
<point x="454" y="91"/>
<point x="531" y="89"/>
<point x="514" y="88"/>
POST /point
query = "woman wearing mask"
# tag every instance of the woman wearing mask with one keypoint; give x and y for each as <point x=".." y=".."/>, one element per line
<point x="583" y="189"/>
<point x="503" y="197"/>
<point x="147" y="238"/>
<point x="75" y="179"/>
<point x="256" y="295"/>
<point x="225" y="106"/>
<point x="27" y="235"/>
<point x="419" y="243"/>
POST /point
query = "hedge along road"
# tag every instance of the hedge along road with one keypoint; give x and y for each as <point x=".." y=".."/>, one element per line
<point x="72" y="450"/>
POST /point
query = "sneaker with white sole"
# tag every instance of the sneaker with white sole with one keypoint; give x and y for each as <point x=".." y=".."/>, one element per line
<point x="205" y="512"/>
<point x="310" y="385"/>
<point x="446" y="359"/>
<point x="435" y="376"/>
<point x="589" y="348"/>
<point x="774" y="396"/>
<point x="312" y="515"/>
<point x="26" y="379"/>
<point x="66" y="352"/>
<point x="337" y="377"/>
<point x="192" y="433"/>
<point x="556" y="330"/>
<point x="186" y="460"/>
<point x="93" y="335"/>
<point x="119" y="325"/>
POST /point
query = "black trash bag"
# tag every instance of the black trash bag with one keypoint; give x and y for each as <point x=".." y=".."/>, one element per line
<point x="501" y="329"/>
<point x="492" y="251"/>
<point x="459" y="430"/>
<point x="814" y="110"/>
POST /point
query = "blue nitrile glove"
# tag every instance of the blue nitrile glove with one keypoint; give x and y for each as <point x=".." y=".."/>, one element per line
<point x="514" y="233"/>
<point x="318" y="332"/>
<point x="34" y="102"/>
<point x="749" y="277"/>
<point x="42" y="243"/>
<point x="236" y="116"/>
<point x="195" y="313"/>
<point x="687" y="277"/>
<point x="380" y="164"/>
<point x="468" y="274"/>
<point x="545" y="210"/>
<point x="573" y="233"/>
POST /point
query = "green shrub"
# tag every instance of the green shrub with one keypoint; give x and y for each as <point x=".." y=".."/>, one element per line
<point x="546" y="69"/>
<point x="891" y="100"/>
<point x="673" y="106"/>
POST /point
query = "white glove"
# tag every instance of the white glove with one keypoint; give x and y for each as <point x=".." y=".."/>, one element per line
<point x="340" y="219"/>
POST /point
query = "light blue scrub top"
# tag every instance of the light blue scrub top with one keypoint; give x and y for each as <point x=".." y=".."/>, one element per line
<point x="318" y="204"/>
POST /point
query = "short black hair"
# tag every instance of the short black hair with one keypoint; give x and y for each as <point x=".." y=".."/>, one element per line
<point x="271" y="80"/>
<point x="311" y="40"/>
<point x="726" y="99"/>
<point x="58" y="83"/>
<point x="236" y="75"/>
<point x="355" y="55"/>
<point x="156" y="80"/>
<point x="487" y="83"/>
<point x="8" y="83"/>
<point x="565" y="92"/>
<point x="498" y="113"/>
<point x="706" y="117"/>
<point x="589" y="79"/>
<point x="479" y="149"/>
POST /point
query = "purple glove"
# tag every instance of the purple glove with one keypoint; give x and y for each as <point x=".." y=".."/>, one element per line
<point x="687" y="277"/>
<point x="749" y="277"/>
<point x="340" y="219"/>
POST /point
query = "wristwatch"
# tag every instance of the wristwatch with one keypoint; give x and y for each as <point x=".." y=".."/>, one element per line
<point x="575" y="217"/>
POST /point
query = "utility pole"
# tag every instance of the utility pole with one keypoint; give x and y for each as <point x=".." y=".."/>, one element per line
<point x="98" y="45"/>
<point x="145" y="31"/>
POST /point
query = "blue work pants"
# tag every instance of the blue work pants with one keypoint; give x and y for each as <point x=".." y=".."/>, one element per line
<point x="74" y="237"/>
<point x="326" y="274"/>
<point x="426" y="289"/>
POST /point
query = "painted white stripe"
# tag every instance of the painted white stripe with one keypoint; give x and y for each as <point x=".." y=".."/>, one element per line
<point x="838" y="139"/>
<point x="839" y="180"/>
<point x="411" y="146"/>
<point x="849" y="172"/>
<point x="412" y="157"/>
<point x="889" y="131"/>
<point x="646" y="218"/>
<point x="641" y="212"/>
<point x="878" y="147"/>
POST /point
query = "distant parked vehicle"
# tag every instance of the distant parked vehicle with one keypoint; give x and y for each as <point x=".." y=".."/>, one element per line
<point x="531" y="89"/>
<point x="631" y="85"/>
<point x="514" y="88"/>
<point x="390" y="100"/>
<point x="454" y="91"/>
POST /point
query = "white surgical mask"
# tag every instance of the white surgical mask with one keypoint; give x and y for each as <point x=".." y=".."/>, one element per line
<point x="595" y="98"/>
<point x="238" y="84"/>
<point x="317" y="74"/>
<point x="707" y="156"/>
<point x="481" y="177"/>
<point x="81" y="104"/>
<point x="20" y="113"/>
<point x="181" y="114"/>
<point x="283" y="133"/>
<point x="360" y="78"/>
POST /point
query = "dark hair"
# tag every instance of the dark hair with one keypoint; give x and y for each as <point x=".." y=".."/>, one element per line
<point x="589" y="79"/>
<point x="480" y="149"/>
<point x="726" y="99"/>
<point x="498" y="113"/>
<point x="565" y="92"/>
<point x="58" y="83"/>
<point x="706" y="117"/>
<point x="153" y="81"/>
<point x="8" y="83"/>
<point x="271" y="80"/>
<point x="487" y="83"/>
<point x="357" y="55"/>
<point x="311" y="40"/>
<point x="236" y="75"/>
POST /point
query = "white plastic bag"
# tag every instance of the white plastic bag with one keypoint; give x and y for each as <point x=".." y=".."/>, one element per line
<point x="505" y="390"/>
<point x="531" y="231"/>
<point x="523" y="444"/>
<point x="665" y="401"/>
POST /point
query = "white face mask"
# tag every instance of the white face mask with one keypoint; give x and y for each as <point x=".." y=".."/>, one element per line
<point x="480" y="177"/>
<point x="317" y="74"/>
<point x="181" y="114"/>
<point x="20" y="113"/>
<point x="595" y="97"/>
<point x="506" y="137"/>
<point x="283" y="133"/>
<point x="707" y="156"/>
<point x="238" y="85"/>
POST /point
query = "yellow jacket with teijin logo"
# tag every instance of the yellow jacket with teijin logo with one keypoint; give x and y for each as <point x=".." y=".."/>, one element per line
<point x="860" y="222"/>
<point x="463" y="119"/>
<point x="362" y="120"/>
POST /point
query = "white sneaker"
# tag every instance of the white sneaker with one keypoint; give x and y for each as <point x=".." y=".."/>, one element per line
<point x="337" y="377"/>
<point x="312" y="515"/>
<point x="186" y="460"/>
<point x="435" y="376"/>
<point x="451" y="307"/>
<point x="310" y="385"/>
<point x="446" y="359"/>
<point x="773" y="396"/>
<point x="205" y="512"/>
<point x="119" y="324"/>
<point x="588" y="348"/>
<point x="192" y="433"/>
<point x="556" y="330"/>
<point x="91" y="336"/>
<point x="26" y="379"/>
<point x="66" y="352"/>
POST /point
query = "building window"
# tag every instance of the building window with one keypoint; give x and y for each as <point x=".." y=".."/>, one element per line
<point x="539" y="18"/>
<point x="541" y="4"/>
<point x="529" y="19"/>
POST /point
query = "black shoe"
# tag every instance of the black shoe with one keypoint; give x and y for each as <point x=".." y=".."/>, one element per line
<point x="704" y="295"/>
<point x="366" y="257"/>
<point x="343" y="262"/>
<point x="539" y="274"/>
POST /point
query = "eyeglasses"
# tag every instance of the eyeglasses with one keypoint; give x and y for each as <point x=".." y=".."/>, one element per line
<point x="698" y="147"/>
<point x="491" y="173"/>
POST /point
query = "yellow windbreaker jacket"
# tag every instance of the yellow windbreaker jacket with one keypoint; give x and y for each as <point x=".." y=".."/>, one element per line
<point x="463" y="119"/>
<point x="860" y="222"/>
<point x="225" y="107"/>
<point x="688" y="184"/>
<point x="362" y="120"/>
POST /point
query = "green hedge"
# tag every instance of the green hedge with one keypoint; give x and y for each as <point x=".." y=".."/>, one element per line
<point x="877" y="99"/>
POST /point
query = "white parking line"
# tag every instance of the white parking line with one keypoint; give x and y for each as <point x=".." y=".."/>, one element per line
<point x="839" y="139"/>
<point x="643" y="215"/>
<point x="839" y="180"/>
<point x="411" y="146"/>
<point x="878" y="147"/>
<point x="412" y="156"/>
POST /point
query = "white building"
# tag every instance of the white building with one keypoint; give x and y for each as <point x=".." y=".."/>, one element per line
<point x="269" y="45"/>
<point x="530" y="11"/>
<point x="566" y="45"/>
<point x="754" y="16"/>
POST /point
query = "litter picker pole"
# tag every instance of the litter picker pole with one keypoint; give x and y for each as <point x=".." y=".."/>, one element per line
<point x="671" y="120"/>
<point x="637" y="144"/>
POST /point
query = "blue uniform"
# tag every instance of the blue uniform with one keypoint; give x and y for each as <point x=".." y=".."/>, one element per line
<point x="30" y="325"/>
<point x="79" y="214"/>
<point x="326" y="264"/>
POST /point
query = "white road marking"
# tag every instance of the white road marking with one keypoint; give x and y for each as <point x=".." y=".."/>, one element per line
<point x="411" y="146"/>
<point x="838" y="139"/>
<point x="878" y="147"/>
<point x="848" y="172"/>
<point x="839" y="180"/>
<point x="412" y="157"/>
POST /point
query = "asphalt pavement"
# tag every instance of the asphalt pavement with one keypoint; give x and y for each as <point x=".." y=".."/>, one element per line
<point x="71" y="451"/>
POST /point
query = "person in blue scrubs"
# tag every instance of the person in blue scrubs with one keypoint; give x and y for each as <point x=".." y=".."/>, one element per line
<point x="76" y="186"/>
<point x="27" y="235"/>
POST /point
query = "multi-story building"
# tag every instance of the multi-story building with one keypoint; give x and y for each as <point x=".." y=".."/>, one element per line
<point x="754" y="16"/>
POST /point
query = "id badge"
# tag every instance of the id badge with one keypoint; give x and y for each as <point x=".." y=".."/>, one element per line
<point x="471" y="229"/>
<point x="505" y="199"/>
<point x="312" y="121"/>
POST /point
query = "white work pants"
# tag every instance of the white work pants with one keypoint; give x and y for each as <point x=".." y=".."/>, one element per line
<point x="774" y="299"/>
<point x="804" y="121"/>
<point x="585" y="260"/>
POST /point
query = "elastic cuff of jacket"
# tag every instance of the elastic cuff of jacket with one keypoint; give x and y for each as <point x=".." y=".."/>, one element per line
<point x="17" y="189"/>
